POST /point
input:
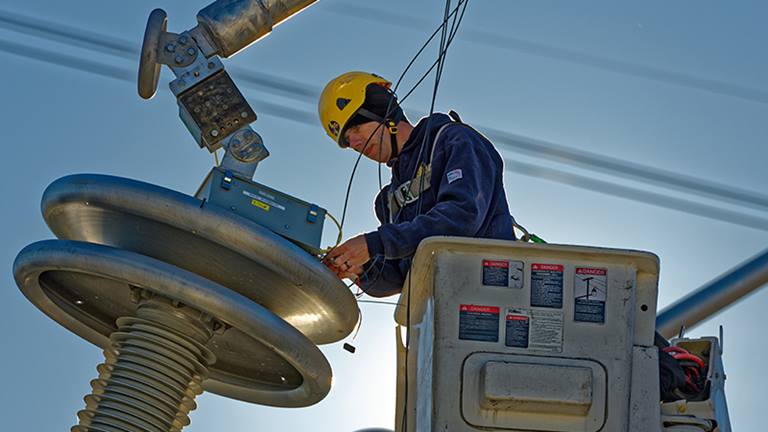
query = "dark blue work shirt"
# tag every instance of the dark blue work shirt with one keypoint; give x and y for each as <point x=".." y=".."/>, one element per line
<point x="466" y="199"/>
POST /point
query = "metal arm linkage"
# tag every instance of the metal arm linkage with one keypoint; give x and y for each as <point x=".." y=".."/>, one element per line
<point x="210" y="105"/>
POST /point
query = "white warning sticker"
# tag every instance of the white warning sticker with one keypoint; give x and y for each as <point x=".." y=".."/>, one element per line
<point x="547" y="285"/>
<point x="590" y="290"/>
<point x="546" y="332"/>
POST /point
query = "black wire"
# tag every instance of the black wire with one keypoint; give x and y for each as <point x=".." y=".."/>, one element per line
<point x="500" y="41"/>
<point x="441" y="61"/>
<point x="389" y="111"/>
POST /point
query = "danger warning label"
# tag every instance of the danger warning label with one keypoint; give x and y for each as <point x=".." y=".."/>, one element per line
<point x="517" y="326"/>
<point x="547" y="285"/>
<point x="590" y="289"/>
<point x="479" y="323"/>
<point x="503" y="273"/>
<point x="495" y="273"/>
<point x="534" y="329"/>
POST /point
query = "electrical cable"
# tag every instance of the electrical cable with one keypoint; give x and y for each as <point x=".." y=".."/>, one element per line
<point x="440" y="64"/>
<point x="338" y="238"/>
<point x="124" y="49"/>
<point x="695" y="372"/>
<point x="638" y="195"/>
<point x="507" y="43"/>
<point x="303" y="117"/>
<point x="380" y="129"/>
<point x="300" y="91"/>
<point x="442" y="50"/>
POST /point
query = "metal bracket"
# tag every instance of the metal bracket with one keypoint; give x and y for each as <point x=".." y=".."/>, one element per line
<point x="176" y="50"/>
<point x="247" y="146"/>
<point x="226" y="181"/>
<point x="194" y="73"/>
<point x="161" y="47"/>
<point x="312" y="218"/>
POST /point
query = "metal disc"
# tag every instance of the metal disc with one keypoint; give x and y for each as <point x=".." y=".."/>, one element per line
<point x="149" y="68"/>
<point x="85" y="287"/>
<point x="207" y="240"/>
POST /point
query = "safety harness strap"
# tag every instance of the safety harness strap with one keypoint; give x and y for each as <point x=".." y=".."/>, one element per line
<point x="389" y="123"/>
<point x="410" y="191"/>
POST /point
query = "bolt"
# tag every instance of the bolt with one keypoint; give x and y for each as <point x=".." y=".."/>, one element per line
<point x="244" y="114"/>
<point x="191" y="51"/>
<point x="183" y="40"/>
<point x="135" y="295"/>
<point x="170" y="48"/>
<point x="214" y="133"/>
<point x="211" y="65"/>
<point x="219" y="328"/>
<point x="179" y="59"/>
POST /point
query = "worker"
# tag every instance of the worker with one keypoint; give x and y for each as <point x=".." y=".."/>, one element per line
<point x="446" y="180"/>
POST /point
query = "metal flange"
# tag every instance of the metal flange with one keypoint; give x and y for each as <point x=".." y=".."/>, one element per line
<point x="149" y="65"/>
<point x="85" y="287"/>
<point x="207" y="240"/>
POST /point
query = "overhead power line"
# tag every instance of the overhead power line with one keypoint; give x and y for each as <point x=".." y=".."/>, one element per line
<point x="124" y="49"/>
<point x="123" y="74"/>
<point x="626" y="169"/>
<point x="307" y="118"/>
<point x="306" y="93"/>
<point x="509" y="43"/>
<point x="633" y="194"/>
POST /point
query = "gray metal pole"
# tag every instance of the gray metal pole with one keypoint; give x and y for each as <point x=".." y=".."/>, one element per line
<point x="232" y="25"/>
<point x="714" y="296"/>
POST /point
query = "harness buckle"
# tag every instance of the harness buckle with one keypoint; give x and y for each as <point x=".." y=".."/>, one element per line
<point x="404" y="195"/>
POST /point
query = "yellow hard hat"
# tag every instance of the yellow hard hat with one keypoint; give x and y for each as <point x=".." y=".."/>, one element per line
<point x="342" y="97"/>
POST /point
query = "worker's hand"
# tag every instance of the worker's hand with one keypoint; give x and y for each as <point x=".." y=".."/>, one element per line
<point x="347" y="259"/>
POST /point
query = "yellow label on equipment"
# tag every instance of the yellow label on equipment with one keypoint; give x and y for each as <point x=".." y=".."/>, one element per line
<point x="260" y="204"/>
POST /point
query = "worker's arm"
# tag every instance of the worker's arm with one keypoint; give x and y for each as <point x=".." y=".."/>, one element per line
<point x="381" y="277"/>
<point x="465" y="170"/>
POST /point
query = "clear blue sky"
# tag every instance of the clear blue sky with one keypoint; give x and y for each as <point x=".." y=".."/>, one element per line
<point x="673" y="85"/>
